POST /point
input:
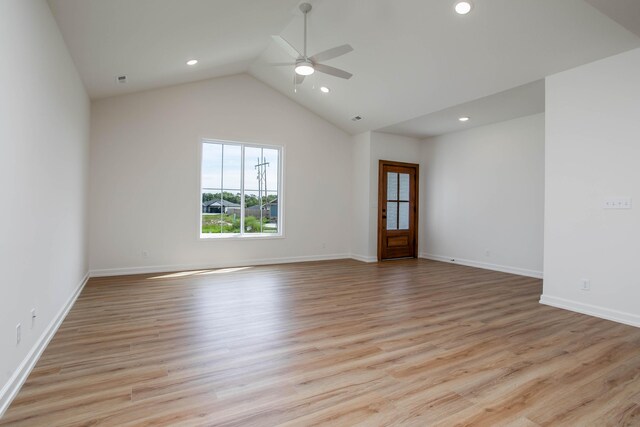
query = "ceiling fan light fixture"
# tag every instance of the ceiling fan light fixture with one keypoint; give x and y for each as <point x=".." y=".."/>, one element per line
<point x="306" y="65"/>
<point x="463" y="7"/>
<point x="304" y="68"/>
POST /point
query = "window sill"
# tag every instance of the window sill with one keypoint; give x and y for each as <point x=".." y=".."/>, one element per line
<point x="221" y="236"/>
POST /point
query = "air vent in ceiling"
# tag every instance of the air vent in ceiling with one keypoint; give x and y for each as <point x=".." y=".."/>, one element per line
<point x="121" y="79"/>
<point x="357" y="118"/>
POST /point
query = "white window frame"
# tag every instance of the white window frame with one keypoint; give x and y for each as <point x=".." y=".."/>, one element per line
<point x="242" y="235"/>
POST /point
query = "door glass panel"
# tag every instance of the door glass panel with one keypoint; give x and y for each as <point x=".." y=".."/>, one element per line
<point x="404" y="186"/>
<point x="392" y="215"/>
<point x="403" y="216"/>
<point x="392" y="186"/>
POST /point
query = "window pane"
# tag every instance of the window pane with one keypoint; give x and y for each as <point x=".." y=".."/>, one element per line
<point x="254" y="215"/>
<point x="232" y="155"/>
<point x="392" y="186"/>
<point x="252" y="156"/>
<point x="211" y="217"/>
<point x="230" y="211"/>
<point x="211" y="165"/>
<point x="271" y="170"/>
<point x="271" y="210"/>
<point x="392" y="215"/>
<point x="404" y="186"/>
<point x="403" y="216"/>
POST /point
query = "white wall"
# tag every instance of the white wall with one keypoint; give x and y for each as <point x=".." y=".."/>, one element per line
<point x="360" y="203"/>
<point x="44" y="144"/>
<point x="592" y="153"/>
<point x="483" y="192"/>
<point x="145" y="176"/>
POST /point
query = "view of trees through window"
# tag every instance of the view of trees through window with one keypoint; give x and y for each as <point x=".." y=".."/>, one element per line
<point x="240" y="189"/>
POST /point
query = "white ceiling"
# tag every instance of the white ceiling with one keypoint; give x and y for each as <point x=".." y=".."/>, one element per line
<point x="624" y="12"/>
<point x="151" y="40"/>
<point x="412" y="58"/>
<point x="517" y="102"/>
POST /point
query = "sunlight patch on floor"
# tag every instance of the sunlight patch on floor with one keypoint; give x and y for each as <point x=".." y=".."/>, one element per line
<point x="198" y="273"/>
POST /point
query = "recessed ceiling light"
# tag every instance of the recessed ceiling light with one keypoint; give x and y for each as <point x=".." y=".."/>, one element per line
<point x="464" y="119"/>
<point x="463" y="7"/>
<point x="325" y="89"/>
<point x="192" y="62"/>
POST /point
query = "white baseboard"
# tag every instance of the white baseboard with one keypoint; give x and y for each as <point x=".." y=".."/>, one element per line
<point x="364" y="258"/>
<point x="484" y="265"/>
<point x="592" y="310"/>
<point x="187" y="267"/>
<point x="12" y="387"/>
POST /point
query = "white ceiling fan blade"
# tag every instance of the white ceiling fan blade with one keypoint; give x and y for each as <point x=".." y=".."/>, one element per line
<point x="333" y="71"/>
<point x="332" y="53"/>
<point x="299" y="79"/>
<point x="287" y="47"/>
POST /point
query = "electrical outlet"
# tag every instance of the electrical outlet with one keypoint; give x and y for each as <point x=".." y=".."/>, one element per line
<point x="585" y="285"/>
<point x="18" y="333"/>
<point x="618" y="203"/>
<point x="33" y="317"/>
<point x="145" y="253"/>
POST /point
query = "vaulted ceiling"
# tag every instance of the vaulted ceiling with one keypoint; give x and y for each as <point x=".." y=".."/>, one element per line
<point x="414" y="60"/>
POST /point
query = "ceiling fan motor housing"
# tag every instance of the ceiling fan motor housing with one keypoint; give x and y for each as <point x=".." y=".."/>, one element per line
<point x="305" y="7"/>
<point x="304" y="67"/>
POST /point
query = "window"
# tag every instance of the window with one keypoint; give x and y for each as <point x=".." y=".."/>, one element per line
<point x="240" y="190"/>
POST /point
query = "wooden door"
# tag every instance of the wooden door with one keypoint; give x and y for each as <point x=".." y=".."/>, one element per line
<point x="397" y="210"/>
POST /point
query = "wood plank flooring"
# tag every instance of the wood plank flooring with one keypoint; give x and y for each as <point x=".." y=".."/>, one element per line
<point x="340" y="343"/>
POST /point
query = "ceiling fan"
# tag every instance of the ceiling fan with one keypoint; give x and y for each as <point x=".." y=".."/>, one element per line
<point x="307" y="65"/>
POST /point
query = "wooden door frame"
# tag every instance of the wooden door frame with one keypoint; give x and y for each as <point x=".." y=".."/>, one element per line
<point x="416" y="217"/>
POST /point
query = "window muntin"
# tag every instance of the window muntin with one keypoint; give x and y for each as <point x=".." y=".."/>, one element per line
<point x="241" y="190"/>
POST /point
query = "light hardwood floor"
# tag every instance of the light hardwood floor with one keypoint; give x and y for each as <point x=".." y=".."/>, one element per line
<point x="340" y="343"/>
